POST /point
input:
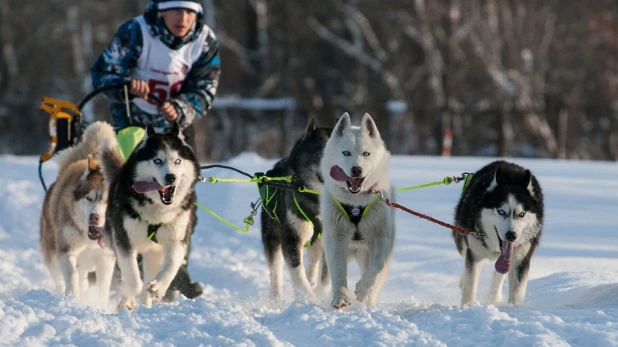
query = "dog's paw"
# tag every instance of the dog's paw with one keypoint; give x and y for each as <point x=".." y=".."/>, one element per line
<point x="154" y="289"/>
<point x="127" y="302"/>
<point x="362" y="290"/>
<point x="340" y="301"/>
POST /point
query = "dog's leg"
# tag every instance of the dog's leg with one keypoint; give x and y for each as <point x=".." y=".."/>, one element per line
<point x="470" y="278"/>
<point x="314" y="255"/>
<point x="381" y="247"/>
<point x="68" y="265"/>
<point x="56" y="274"/>
<point x="518" y="281"/>
<point x="495" y="291"/>
<point x="380" y="279"/>
<point x="131" y="281"/>
<point x="173" y="254"/>
<point x="292" y="253"/>
<point x="336" y="249"/>
<point x="151" y="263"/>
<point x="104" y="265"/>
<point x="274" y="258"/>
<point x="323" y="280"/>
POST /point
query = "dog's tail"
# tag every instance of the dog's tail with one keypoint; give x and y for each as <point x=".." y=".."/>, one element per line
<point x="93" y="136"/>
<point x="111" y="159"/>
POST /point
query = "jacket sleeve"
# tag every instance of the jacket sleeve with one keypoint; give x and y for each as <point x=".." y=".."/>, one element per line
<point x="200" y="87"/>
<point x="117" y="61"/>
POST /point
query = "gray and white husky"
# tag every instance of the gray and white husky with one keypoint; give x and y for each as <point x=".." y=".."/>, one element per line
<point x="291" y="220"/>
<point x="502" y="205"/>
<point x="73" y="217"/>
<point x="357" y="224"/>
<point x="151" y="211"/>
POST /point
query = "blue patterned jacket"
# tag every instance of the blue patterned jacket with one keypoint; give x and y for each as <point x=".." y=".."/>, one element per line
<point x="115" y="64"/>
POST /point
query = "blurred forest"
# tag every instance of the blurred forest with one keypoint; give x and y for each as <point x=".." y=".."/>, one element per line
<point x="531" y="78"/>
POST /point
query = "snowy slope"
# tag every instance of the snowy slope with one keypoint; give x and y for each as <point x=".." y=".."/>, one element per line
<point x="572" y="296"/>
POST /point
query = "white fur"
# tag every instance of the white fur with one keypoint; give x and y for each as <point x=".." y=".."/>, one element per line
<point x="161" y="260"/>
<point x="377" y="227"/>
<point x="491" y="220"/>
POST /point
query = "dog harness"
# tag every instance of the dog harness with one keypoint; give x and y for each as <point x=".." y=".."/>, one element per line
<point x="354" y="213"/>
<point x="152" y="228"/>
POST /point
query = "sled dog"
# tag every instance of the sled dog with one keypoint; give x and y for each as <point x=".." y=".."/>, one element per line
<point x="291" y="219"/>
<point x="356" y="222"/>
<point x="502" y="204"/>
<point x="73" y="217"/>
<point x="151" y="211"/>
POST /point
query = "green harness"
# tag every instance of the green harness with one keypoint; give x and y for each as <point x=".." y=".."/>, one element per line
<point x="152" y="228"/>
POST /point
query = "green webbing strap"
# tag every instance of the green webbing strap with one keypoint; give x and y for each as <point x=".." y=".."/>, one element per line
<point x="346" y="212"/>
<point x="152" y="234"/>
<point x="301" y="210"/>
<point x="248" y="221"/>
<point x="266" y="201"/>
<point x="310" y="191"/>
<point x="447" y="180"/>
<point x="255" y="179"/>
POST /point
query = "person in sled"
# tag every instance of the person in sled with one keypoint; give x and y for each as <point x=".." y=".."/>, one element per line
<point x="169" y="52"/>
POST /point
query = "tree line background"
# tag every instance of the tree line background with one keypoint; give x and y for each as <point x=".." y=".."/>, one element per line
<point x="533" y="78"/>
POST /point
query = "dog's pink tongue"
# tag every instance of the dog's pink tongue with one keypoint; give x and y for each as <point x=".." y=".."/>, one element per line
<point x="146" y="186"/>
<point x="503" y="264"/>
<point x="338" y="174"/>
<point x="101" y="242"/>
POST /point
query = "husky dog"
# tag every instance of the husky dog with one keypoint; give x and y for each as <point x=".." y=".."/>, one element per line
<point x="151" y="211"/>
<point x="356" y="222"/>
<point x="291" y="220"/>
<point x="73" y="217"/>
<point x="502" y="205"/>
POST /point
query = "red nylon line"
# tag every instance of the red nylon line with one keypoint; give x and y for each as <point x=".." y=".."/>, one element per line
<point x="464" y="232"/>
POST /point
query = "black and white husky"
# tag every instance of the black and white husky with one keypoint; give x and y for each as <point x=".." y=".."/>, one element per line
<point x="151" y="211"/>
<point x="291" y="219"/>
<point x="502" y="204"/>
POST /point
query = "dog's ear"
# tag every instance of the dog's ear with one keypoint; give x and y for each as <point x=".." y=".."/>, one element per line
<point x="369" y="126"/>
<point x="176" y="129"/>
<point x="496" y="180"/>
<point x="310" y="127"/>
<point x="527" y="179"/>
<point x="92" y="165"/>
<point x="150" y="130"/>
<point x="343" y="124"/>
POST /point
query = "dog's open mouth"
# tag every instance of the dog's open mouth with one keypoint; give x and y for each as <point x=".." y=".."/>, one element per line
<point x="355" y="184"/>
<point x="167" y="194"/>
<point x="503" y="263"/>
<point x="95" y="233"/>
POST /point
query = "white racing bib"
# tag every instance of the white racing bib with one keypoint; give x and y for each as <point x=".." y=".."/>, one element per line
<point x="163" y="68"/>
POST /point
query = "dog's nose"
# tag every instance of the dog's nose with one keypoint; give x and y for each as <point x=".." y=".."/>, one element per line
<point x="94" y="219"/>
<point x="170" y="178"/>
<point x="510" y="236"/>
<point x="357" y="171"/>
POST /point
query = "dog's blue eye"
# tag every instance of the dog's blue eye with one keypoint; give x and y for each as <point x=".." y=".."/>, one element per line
<point x="501" y="212"/>
<point x="319" y="154"/>
<point x="89" y="198"/>
<point x="158" y="161"/>
<point x="521" y="214"/>
<point x="177" y="162"/>
<point x="366" y="154"/>
<point x="347" y="153"/>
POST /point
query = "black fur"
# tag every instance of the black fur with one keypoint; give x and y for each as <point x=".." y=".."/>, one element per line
<point x="122" y="196"/>
<point x="303" y="164"/>
<point x="511" y="179"/>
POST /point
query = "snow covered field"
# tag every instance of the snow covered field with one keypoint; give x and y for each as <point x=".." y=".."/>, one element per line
<point x="572" y="295"/>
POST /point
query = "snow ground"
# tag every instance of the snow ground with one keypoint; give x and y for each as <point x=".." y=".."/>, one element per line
<point x="572" y="295"/>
